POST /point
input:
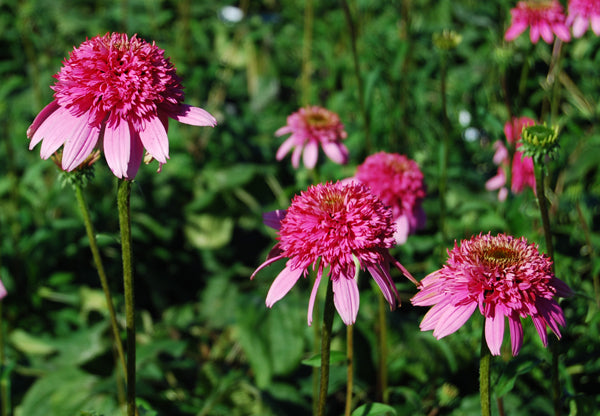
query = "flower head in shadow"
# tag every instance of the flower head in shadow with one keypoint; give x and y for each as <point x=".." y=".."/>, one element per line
<point x="503" y="277"/>
<point x="115" y="91"/>
<point x="342" y="227"/>
<point x="311" y="127"/>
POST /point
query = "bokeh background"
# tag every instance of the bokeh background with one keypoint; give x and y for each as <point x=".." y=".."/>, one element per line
<point x="207" y="345"/>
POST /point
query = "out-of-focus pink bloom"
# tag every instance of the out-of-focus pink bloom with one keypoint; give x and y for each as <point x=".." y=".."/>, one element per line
<point x="544" y="18"/>
<point x="2" y="290"/>
<point x="503" y="276"/>
<point x="581" y="14"/>
<point x="309" y="128"/>
<point x="398" y="182"/>
<point x="522" y="170"/>
<point x="118" y="91"/>
<point x="340" y="226"/>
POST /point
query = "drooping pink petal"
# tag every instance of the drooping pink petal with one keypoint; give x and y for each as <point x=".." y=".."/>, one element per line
<point x="39" y="119"/>
<point x="80" y="143"/>
<point x="282" y="284"/>
<point x="50" y="132"/>
<point x="269" y="261"/>
<point x="595" y="19"/>
<point x="117" y="148"/>
<point x="515" y="30"/>
<point x="337" y="152"/>
<point x="273" y="218"/>
<point x="401" y="229"/>
<point x="453" y="318"/>
<point x="382" y="277"/>
<point x="580" y="25"/>
<point x="313" y="296"/>
<point x="540" y="326"/>
<point x="195" y="116"/>
<point x="285" y="147"/>
<point x="494" y="332"/>
<point x="155" y="140"/>
<point x="2" y="290"/>
<point x="346" y="298"/>
<point x="311" y="154"/>
<point x="516" y="333"/>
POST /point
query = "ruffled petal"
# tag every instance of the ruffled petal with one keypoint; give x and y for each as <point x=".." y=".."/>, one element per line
<point x="195" y="116"/>
<point x="346" y="298"/>
<point x="155" y="140"/>
<point x="282" y="284"/>
<point x="494" y="332"/>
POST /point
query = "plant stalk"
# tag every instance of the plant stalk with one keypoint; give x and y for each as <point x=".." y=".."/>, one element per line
<point x="123" y="200"/>
<point x="328" y="313"/>
<point x="484" y="376"/>
<point x="349" y="368"/>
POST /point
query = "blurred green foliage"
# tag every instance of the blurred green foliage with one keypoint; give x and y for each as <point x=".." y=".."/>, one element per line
<point x="207" y="344"/>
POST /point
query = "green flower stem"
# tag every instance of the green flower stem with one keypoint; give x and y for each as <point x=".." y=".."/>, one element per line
<point x="89" y="228"/>
<point x="349" y="368"/>
<point x="484" y="376"/>
<point x="541" y="196"/>
<point x="360" y="89"/>
<point x="382" y="374"/>
<point x="328" y="313"/>
<point x="442" y="186"/>
<point x="316" y="348"/>
<point x="123" y="200"/>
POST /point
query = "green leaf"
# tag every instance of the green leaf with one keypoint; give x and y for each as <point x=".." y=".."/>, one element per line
<point x="374" y="409"/>
<point x="205" y="231"/>
<point x="335" y="357"/>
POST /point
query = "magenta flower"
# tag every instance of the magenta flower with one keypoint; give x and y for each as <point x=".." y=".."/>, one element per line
<point x="581" y="14"/>
<point x="504" y="277"/>
<point x="118" y="91"/>
<point x="543" y="17"/>
<point x="398" y="182"/>
<point x="2" y="290"/>
<point x="340" y="226"/>
<point x="522" y="171"/>
<point x="309" y="127"/>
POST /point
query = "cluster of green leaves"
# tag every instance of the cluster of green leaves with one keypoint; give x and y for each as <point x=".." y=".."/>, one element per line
<point x="207" y="344"/>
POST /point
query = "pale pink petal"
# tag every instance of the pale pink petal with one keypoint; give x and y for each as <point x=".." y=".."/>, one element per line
<point x="195" y="116"/>
<point x="270" y="260"/>
<point x="401" y="229"/>
<point x="515" y="30"/>
<point x="313" y="296"/>
<point x="595" y="19"/>
<point x="433" y="315"/>
<point x="516" y="333"/>
<point x="497" y="181"/>
<point x="283" y="130"/>
<point x="580" y="25"/>
<point x="296" y="154"/>
<point x="282" y="284"/>
<point x="39" y="119"/>
<point x="336" y="151"/>
<point x="123" y="150"/>
<point x="273" y="218"/>
<point x="155" y="140"/>
<point x="501" y="153"/>
<point x="311" y="154"/>
<point x="562" y="32"/>
<point x="502" y="194"/>
<point x="346" y="298"/>
<point x="79" y="145"/>
<point x="453" y="318"/>
<point x="51" y="132"/>
<point x="382" y="277"/>
<point x="546" y="32"/>
<point x="2" y="290"/>
<point x="534" y="34"/>
<point x="285" y="147"/>
<point x="494" y="332"/>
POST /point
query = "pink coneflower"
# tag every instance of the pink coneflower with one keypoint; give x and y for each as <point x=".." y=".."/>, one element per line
<point x="311" y="126"/>
<point x="340" y="226"/>
<point x="522" y="171"/>
<point x="117" y="90"/>
<point x="504" y="277"/>
<point x="581" y="14"/>
<point x="398" y="182"/>
<point x="544" y="18"/>
<point x="2" y="290"/>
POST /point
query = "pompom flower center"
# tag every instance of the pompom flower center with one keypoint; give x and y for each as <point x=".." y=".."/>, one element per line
<point x="117" y="78"/>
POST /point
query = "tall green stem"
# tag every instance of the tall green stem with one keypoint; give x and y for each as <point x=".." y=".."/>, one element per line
<point x="349" y="368"/>
<point x="306" y="48"/>
<point x="445" y="149"/>
<point x="89" y="228"/>
<point x="123" y="200"/>
<point x="328" y="313"/>
<point x="484" y="376"/>
<point x="541" y="196"/>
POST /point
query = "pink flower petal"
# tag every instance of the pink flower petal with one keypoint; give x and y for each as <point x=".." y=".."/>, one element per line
<point x="346" y="298"/>
<point x="51" y="132"/>
<point x="39" y="119"/>
<point x="382" y="277"/>
<point x="534" y="34"/>
<point x="273" y="218"/>
<point x="494" y="332"/>
<point x="296" y="154"/>
<point x="285" y="147"/>
<point x="2" y="290"/>
<point x="546" y="32"/>
<point x="311" y="154"/>
<point x="540" y="326"/>
<point x="401" y="229"/>
<point x="80" y="143"/>
<point x="337" y="152"/>
<point x="195" y="116"/>
<point x="516" y="333"/>
<point x="282" y="284"/>
<point x="270" y="260"/>
<point x="453" y="318"/>
<point x="313" y="296"/>
<point x="595" y="19"/>
<point x="497" y="181"/>
<point x="562" y="32"/>
<point x="514" y="31"/>
<point x="123" y="150"/>
<point x="155" y="140"/>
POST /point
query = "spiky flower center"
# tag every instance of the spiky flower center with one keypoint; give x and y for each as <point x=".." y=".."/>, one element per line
<point x="113" y="77"/>
<point x="335" y="222"/>
<point x="320" y="118"/>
